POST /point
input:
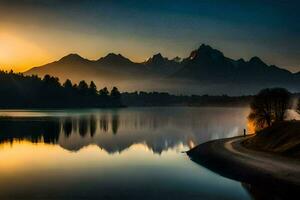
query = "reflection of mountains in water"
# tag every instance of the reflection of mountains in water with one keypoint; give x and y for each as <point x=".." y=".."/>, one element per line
<point x="74" y="133"/>
<point x="116" y="132"/>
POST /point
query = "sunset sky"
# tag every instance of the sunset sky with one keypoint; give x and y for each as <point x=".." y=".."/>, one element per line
<point x="35" y="32"/>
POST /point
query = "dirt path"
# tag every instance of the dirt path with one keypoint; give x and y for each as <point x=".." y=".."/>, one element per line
<point x="230" y="159"/>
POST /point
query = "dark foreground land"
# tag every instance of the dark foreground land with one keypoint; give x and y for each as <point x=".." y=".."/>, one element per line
<point x="282" y="138"/>
<point x="264" y="161"/>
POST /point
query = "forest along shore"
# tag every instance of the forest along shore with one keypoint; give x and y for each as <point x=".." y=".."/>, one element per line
<point x="276" y="166"/>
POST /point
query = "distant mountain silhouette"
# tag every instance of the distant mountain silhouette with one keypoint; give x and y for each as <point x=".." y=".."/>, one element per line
<point x="73" y="58"/>
<point x="119" y="64"/>
<point x="208" y="64"/>
<point x="206" y="70"/>
<point x="163" y="66"/>
<point x="110" y="70"/>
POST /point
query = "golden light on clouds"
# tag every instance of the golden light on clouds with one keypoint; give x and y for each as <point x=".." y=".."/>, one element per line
<point x="19" y="54"/>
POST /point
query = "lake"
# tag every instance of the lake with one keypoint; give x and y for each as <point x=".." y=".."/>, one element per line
<point x="129" y="153"/>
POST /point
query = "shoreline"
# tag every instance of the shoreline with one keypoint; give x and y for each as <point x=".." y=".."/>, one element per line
<point x="230" y="159"/>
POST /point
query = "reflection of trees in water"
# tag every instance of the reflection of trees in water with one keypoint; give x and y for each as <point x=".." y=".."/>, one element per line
<point x="89" y="123"/>
<point x="67" y="126"/>
<point x="45" y="130"/>
<point x="74" y="125"/>
<point x="93" y="125"/>
<point x="87" y="126"/>
<point x="104" y="123"/>
<point x="147" y="121"/>
<point x="169" y="128"/>
<point x="49" y="129"/>
<point x="52" y="131"/>
<point x="115" y="124"/>
<point x="83" y="126"/>
<point x="35" y="130"/>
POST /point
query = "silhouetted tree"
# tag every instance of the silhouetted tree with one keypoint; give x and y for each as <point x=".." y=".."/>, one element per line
<point x="21" y="91"/>
<point x="75" y="87"/>
<point x="83" y="88"/>
<point x="92" y="89"/>
<point x="68" y="85"/>
<point x="69" y="90"/>
<point x="269" y="106"/>
<point x="115" y="96"/>
<point x="51" y="81"/>
<point x="104" y="92"/>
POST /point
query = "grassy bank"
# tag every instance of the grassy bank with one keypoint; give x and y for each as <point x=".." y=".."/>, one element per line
<point x="282" y="138"/>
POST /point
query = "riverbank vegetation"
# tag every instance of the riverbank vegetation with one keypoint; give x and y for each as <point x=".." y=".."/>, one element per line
<point x="273" y="132"/>
<point x="269" y="106"/>
<point x="19" y="91"/>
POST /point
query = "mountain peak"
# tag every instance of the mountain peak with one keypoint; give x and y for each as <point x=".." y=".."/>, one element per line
<point x="162" y="65"/>
<point x="114" y="58"/>
<point x="256" y="60"/>
<point x="156" y="59"/>
<point x="73" y="57"/>
<point x="113" y="55"/>
<point x="205" y="51"/>
<point x="158" y="56"/>
<point x="205" y="47"/>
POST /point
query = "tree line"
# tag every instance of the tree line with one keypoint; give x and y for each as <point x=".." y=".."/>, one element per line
<point x="165" y="99"/>
<point x="19" y="91"/>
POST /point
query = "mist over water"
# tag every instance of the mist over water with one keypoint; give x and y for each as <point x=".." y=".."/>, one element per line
<point x="129" y="153"/>
<point x="159" y="129"/>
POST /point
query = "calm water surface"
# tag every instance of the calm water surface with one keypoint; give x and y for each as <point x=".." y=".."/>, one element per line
<point x="131" y="153"/>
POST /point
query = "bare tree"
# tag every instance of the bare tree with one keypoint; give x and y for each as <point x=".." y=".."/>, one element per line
<point x="269" y="106"/>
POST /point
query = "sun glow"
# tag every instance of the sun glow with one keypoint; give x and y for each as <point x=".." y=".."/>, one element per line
<point x="19" y="54"/>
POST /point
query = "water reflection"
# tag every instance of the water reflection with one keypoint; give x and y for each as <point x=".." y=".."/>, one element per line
<point x="103" y="123"/>
<point x="120" y="154"/>
<point x="114" y="131"/>
<point x="46" y="130"/>
<point x="115" y="124"/>
<point x="93" y="125"/>
<point x="83" y="126"/>
<point x="67" y="127"/>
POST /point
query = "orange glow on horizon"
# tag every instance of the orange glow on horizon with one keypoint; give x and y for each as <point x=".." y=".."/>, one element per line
<point x="19" y="54"/>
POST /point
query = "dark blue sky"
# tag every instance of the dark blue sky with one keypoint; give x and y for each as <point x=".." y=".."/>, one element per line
<point x="138" y="29"/>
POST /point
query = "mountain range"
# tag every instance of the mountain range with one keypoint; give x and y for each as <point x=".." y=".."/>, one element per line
<point x="205" y="70"/>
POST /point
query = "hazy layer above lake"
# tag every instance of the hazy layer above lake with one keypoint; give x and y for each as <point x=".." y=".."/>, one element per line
<point x="120" y="153"/>
<point x="158" y="128"/>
